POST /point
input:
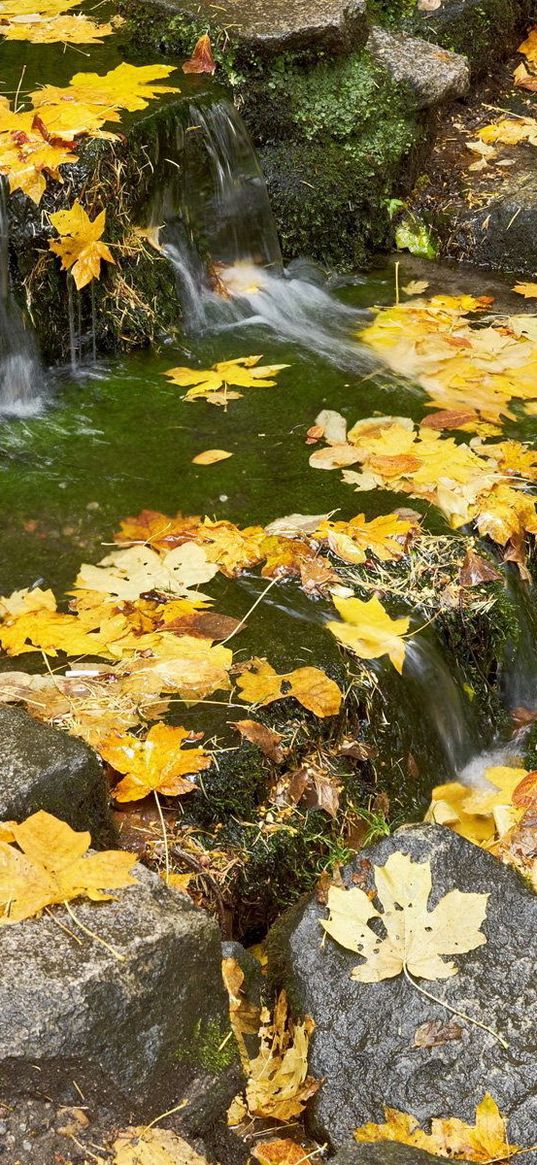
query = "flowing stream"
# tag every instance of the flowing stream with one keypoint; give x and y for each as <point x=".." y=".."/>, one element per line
<point x="21" y="376"/>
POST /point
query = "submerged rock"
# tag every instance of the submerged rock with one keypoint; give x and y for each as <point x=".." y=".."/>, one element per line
<point x="137" y="1015"/>
<point x="364" y="1042"/>
<point x="435" y="75"/>
<point x="43" y="768"/>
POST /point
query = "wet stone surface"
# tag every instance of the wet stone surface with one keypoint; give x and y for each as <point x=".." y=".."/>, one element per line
<point x="363" y="1044"/>
<point x="384" y="1154"/>
<point x="435" y="75"/>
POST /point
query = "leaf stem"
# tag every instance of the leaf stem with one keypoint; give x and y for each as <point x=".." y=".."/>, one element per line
<point x="93" y="935"/>
<point x="453" y="1010"/>
<point x="165" y="836"/>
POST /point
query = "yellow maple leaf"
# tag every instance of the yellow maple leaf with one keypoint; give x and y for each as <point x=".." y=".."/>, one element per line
<point x="529" y="46"/>
<point x="212" y="384"/>
<point x="416" y="937"/>
<point x="45" y="29"/>
<point x="528" y="290"/>
<point x="152" y="1146"/>
<point x="47" y="863"/>
<point x="260" y="684"/>
<point x="157" y="764"/>
<point x="128" y="87"/>
<point x="484" y="1142"/>
<point x="384" y="536"/>
<point x="80" y="247"/>
<point x="448" y="808"/>
<point x="278" y="1085"/>
<point x="127" y="574"/>
<point x="369" y="631"/>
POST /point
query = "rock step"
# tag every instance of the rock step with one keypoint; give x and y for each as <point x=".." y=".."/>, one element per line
<point x="385" y="1153"/>
<point x="363" y="1044"/>
<point x="44" y="768"/>
<point x="137" y="1015"/>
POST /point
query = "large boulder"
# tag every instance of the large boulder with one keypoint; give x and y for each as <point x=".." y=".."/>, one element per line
<point x="43" y="768"/>
<point x="133" y="1007"/>
<point x="363" y="1045"/>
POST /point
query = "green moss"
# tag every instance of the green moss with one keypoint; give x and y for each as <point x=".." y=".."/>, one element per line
<point x="483" y="30"/>
<point x="211" y="1046"/>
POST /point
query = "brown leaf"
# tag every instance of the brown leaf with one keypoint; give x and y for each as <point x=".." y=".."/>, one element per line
<point x="449" y="419"/>
<point x="525" y="794"/>
<point x="434" y="1032"/>
<point x="264" y="738"/>
<point x="475" y="570"/>
<point x="204" y="625"/>
<point x="202" y="60"/>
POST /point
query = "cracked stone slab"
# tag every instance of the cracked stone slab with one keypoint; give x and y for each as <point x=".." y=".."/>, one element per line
<point x="435" y="75"/>
<point x="273" y="26"/>
<point x="133" y="1008"/>
<point x="363" y="1043"/>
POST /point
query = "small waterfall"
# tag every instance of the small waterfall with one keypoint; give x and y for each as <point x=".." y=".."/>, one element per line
<point x="439" y="698"/>
<point x="21" y="378"/>
<point x="219" y="233"/>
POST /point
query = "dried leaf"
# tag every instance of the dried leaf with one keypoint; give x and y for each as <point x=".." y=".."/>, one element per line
<point x="279" y="1086"/>
<point x="153" y="1146"/>
<point x="528" y="290"/>
<point x="51" y="865"/>
<point x="264" y="738"/>
<point x="476" y="570"/>
<point x="127" y="574"/>
<point x="434" y="1032"/>
<point x="202" y="60"/>
<point x="416" y="937"/>
<point x="280" y="1152"/>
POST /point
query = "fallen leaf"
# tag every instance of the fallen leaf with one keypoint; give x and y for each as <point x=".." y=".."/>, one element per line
<point x="476" y="570"/>
<point x="416" y="938"/>
<point x="279" y="1086"/>
<point x="434" y="1032"/>
<point x="157" y="764"/>
<point x="528" y="290"/>
<point x="212" y="384"/>
<point x="280" y="1152"/>
<point x="260" y="684"/>
<point x="202" y="60"/>
<point x="48" y="863"/>
<point x="295" y="524"/>
<point x="210" y="457"/>
<point x="153" y="1146"/>
<point x="127" y="574"/>
<point x="264" y="738"/>
<point x="483" y="1142"/>
<point x="79" y="247"/>
<point x="418" y="286"/>
<point x="369" y="631"/>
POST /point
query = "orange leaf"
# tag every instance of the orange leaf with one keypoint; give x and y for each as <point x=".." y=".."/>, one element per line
<point x="202" y="60"/>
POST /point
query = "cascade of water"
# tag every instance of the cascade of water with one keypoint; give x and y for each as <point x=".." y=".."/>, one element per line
<point x="21" y="378"/>
<point x="219" y="233"/>
<point x="440" y="700"/>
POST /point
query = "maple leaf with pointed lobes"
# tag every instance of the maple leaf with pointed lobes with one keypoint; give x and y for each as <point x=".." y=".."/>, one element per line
<point x="157" y="764"/>
<point x="416" y="937"/>
<point x="202" y="60"/>
<point x="212" y="384"/>
<point x="260" y="684"/>
<point x="279" y="1086"/>
<point x="369" y="631"/>
<point x="384" y="536"/>
<point x="483" y="1142"/>
<point x="125" y="87"/>
<point x="152" y="1146"/>
<point x="127" y="574"/>
<point x="50" y="865"/>
<point x="78" y="29"/>
<point x="80" y="245"/>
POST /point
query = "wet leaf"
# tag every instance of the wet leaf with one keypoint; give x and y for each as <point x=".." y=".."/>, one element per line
<point x="47" y="863"/>
<point x="476" y="570"/>
<point x="212" y="384"/>
<point x="127" y="574"/>
<point x="157" y="764"/>
<point x="279" y="1086"/>
<point x="80" y="247"/>
<point x="416" y="937"/>
<point x="368" y="630"/>
<point x="264" y="738"/>
<point x="153" y="1146"/>
<point x="280" y="1152"/>
<point x="483" y="1142"/>
<point x="202" y="60"/>
<point x="417" y="286"/>
<point x="210" y="457"/>
<point x="528" y="290"/>
<point x="434" y="1032"/>
<point x="260" y="684"/>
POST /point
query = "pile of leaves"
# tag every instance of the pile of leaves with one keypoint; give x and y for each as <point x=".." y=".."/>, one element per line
<point x="51" y="21"/>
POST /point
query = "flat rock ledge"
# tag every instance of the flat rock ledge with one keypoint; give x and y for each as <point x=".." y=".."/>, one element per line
<point x="43" y="768"/>
<point x="435" y="75"/>
<point x="137" y="1016"/>
<point x="273" y="26"/>
<point x="363" y="1045"/>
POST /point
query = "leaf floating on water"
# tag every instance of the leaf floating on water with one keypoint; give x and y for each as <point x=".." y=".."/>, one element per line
<point x="369" y="631"/>
<point x="260" y="684"/>
<point x="47" y="864"/>
<point x="417" y="286"/>
<point x="484" y="1142"/>
<point x="416" y="938"/>
<point x="80" y="247"/>
<point x="212" y="384"/>
<point x="211" y="457"/>
<point x="202" y="60"/>
<point x="157" y="764"/>
<point x="127" y="574"/>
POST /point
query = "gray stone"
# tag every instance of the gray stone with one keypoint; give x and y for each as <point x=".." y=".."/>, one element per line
<point x="435" y="75"/>
<point x="363" y="1044"/>
<point x="137" y="1016"/>
<point x="273" y="26"/>
<point x="43" y="768"/>
<point x="502" y="234"/>
<point x="486" y="31"/>
<point x="387" y="1153"/>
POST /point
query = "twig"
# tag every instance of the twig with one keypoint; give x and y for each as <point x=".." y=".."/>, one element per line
<point x="248" y="613"/>
<point x="165" y="836"/>
<point x="197" y="866"/>
<point x="170" y="1112"/>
